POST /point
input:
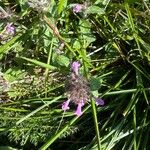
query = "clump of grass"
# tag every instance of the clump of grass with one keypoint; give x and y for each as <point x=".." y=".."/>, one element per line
<point x="38" y="42"/>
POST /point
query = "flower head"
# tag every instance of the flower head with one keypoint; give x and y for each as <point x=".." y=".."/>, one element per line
<point x="99" y="101"/>
<point x="75" y="67"/>
<point x="10" y="29"/>
<point x="78" y="111"/>
<point x="8" y="32"/>
<point x="65" y="105"/>
<point x="77" y="8"/>
<point x="78" y="90"/>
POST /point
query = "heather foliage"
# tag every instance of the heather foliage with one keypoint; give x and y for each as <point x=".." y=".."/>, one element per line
<point x="74" y="75"/>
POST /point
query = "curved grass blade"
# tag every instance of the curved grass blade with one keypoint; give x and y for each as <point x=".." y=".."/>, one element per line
<point x="39" y="63"/>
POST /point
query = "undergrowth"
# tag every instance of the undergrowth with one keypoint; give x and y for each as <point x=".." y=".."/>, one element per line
<point x="38" y="42"/>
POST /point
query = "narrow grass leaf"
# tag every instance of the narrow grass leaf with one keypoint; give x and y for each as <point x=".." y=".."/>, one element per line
<point x="61" y="5"/>
<point x="39" y="63"/>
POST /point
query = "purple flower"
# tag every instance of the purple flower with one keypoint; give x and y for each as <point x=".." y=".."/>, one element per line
<point x="78" y="111"/>
<point x="8" y="32"/>
<point x="75" y="67"/>
<point x="10" y="29"/>
<point x="65" y="105"/>
<point x="77" y="8"/>
<point x="78" y="90"/>
<point x="99" y="101"/>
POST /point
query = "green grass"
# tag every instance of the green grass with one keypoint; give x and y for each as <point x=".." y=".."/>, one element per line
<point x="111" y="40"/>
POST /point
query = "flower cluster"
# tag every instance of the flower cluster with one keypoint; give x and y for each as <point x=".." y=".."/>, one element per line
<point x="8" y="31"/>
<point x="78" y="90"/>
<point x="78" y="8"/>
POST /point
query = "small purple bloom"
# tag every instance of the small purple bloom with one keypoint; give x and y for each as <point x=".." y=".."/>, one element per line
<point x="78" y="111"/>
<point x="77" y="8"/>
<point x="75" y="67"/>
<point x="99" y="101"/>
<point x="10" y="28"/>
<point x="8" y="32"/>
<point x="65" y="105"/>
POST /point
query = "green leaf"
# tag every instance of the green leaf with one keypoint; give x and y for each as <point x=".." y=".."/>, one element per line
<point x="86" y="34"/>
<point x="39" y="63"/>
<point x="7" y="148"/>
<point x="77" y="45"/>
<point x="95" y="10"/>
<point x="7" y="46"/>
<point x="63" y="60"/>
<point x="61" y="5"/>
<point x="94" y="84"/>
<point x="13" y="74"/>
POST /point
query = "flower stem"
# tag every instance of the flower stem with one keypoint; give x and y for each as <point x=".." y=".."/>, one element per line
<point x="56" y="33"/>
<point x="96" y="123"/>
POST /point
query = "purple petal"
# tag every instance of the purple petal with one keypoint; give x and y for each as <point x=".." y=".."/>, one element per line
<point x="82" y="103"/>
<point x="99" y="101"/>
<point x="75" y="67"/>
<point x="78" y="111"/>
<point x="10" y="29"/>
<point x="65" y="105"/>
<point x="77" y="8"/>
